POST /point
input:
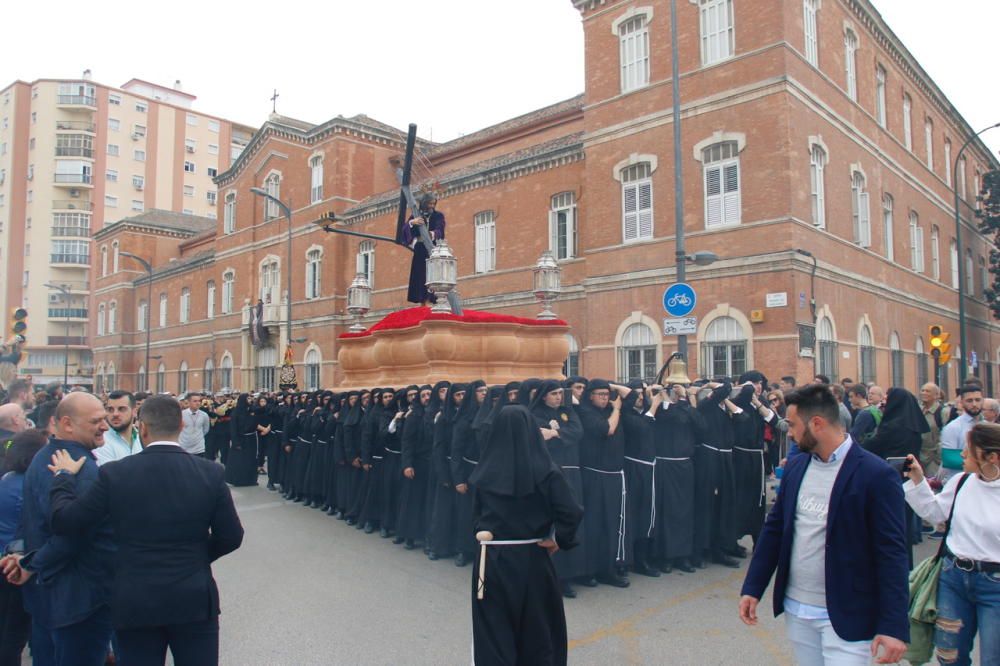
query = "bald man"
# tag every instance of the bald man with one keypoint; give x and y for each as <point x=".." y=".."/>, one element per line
<point x="66" y="580"/>
<point x="991" y="410"/>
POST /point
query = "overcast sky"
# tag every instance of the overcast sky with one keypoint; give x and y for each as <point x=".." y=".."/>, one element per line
<point x="451" y="66"/>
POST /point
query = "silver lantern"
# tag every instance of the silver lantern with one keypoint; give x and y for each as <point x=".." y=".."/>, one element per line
<point x="442" y="275"/>
<point x="359" y="300"/>
<point x="546" y="276"/>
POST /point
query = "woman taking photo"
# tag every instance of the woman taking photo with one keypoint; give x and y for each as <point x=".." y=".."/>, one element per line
<point x="968" y="597"/>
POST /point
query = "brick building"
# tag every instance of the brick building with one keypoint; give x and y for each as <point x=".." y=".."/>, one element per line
<point x="816" y="155"/>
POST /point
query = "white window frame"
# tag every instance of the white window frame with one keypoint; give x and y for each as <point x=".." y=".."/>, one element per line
<point x="562" y="226"/>
<point x="916" y="243"/>
<point x="880" y="81"/>
<point x="314" y="271"/>
<point x="366" y="260"/>
<point x="229" y="213"/>
<point x="907" y="122"/>
<point x="633" y="37"/>
<point x="228" y="288"/>
<point x="104" y="261"/>
<point x="101" y="310"/>
<point x="637" y="202"/>
<point x="817" y="182"/>
<point x="312" y="364"/>
<point x="185" y="306"/>
<point x="140" y="316"/>
<point x="272" y="184"/>
<point x="114" y="256"/>
<point x="947" y="162"/>
<point x="887" y="226"/>
<point x="485" y="226"/>
<point x="210" y="300"/>
<point x="163" y="310"/>
<point x="935" y="253"/>
<point x="717" y="29"/>
<point x="112" y="318"/>
<point x="851" y="64"/>
<point x="809" y="25"/>
<point x="316" y="177"/>
<point x="860" y="210"/>
<point x="953" y="254"/>
<point x="929" y="141"/>
<point x="725" y="207"/>
<point x="970" y="273"/>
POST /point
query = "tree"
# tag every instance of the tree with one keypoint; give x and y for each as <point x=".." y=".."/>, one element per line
<point x="989" y="222"/>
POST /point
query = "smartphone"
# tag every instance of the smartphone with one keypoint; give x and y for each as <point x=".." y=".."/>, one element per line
<point x="899" y="464"/>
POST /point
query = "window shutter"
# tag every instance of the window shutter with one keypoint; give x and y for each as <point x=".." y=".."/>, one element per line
<point x="731" y="200"/>
<point x="863" y="222"/>
<point x="630" y="202"/>
<point x="645" y="210"/>
<point x="713" y="199"/>
<point x="491" y="231"/>
<point x="480" y="250"/>
<point x="554" y="233"/>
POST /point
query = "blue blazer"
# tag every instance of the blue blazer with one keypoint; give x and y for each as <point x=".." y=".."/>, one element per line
<point x="867" y="563"/>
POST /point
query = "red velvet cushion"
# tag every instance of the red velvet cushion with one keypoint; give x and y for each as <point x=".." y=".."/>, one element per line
<point x="412" y="316"/>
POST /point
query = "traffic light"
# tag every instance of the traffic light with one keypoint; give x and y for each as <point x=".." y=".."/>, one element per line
<point x="939" y="344"/>
<point x="20" y="325"/>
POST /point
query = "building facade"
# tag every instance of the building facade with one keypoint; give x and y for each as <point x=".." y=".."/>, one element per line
<point x="76" y="156"/>
<point x="816" y="157"/>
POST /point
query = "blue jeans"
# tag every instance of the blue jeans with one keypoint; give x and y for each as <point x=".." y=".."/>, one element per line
<point x="86" y="642"/>
<point x="967" y="602"/>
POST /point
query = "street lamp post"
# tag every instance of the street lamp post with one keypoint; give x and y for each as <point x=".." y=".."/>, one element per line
<point x="62" y="289"/>
<point x="962" y="367"/>
<point x="675" y="88"/>
<point x="149" y="309"/>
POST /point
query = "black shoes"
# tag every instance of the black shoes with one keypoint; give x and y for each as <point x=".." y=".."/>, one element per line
<point x="613" y="580"/>
<point x="350" y="521"/>
<point x="461" y="560"/>
<point x="682" y="564"/>
<point x="587" y="581"/>
<point x="398" y="540"/>
<point x="384" y="533"/>
<point x="410" y="545"/>
<point x="432" y="556"/>
<point x="667" y="566"/>
<point x="369" y="528"/>
<point x="270" y="486"/>
<point x="724" y="560"/>
<point x="644" y="569"/>
<point x="567" y="590"/>
<point x="737" y="551"/>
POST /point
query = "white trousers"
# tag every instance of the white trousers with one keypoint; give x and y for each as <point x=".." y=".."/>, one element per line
<point x="816" y="644"/>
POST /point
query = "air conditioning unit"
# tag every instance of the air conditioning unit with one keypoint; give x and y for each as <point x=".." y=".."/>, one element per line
<point x="137" y="186"/>
<point x="136" y="136"/>
<point x="74" y="193"/>
<point x="55" y="298"/>
<point x="190" y="149"/>
<point x="71" y="206"/>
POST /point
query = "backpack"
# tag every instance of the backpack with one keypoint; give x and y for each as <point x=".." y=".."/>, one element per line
<point x="876" y="414"/>
<point x="938" y="421"/>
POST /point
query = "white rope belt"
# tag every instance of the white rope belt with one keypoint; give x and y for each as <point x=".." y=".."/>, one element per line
<point x="651" y="463"/>
<point x="719" y="450"/>
<point x="763" y="472"/>
<point x="471" y="462"/>
<point x="652" y="508"/>
<point x="247" y="434"/>
<point x="396" y="452"/>
<point x="672" y="459"/>
<point x="569" y="467"/>
<point x="620" y="555"/>
<point x="485" y="539"/>
<point x="510" y="542"/>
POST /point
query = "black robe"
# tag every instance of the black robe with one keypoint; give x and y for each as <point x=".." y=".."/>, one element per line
<point x="392" y="473"/>
<point x="417" y="291"/>
<point x="416" y="454"/>
<point x="330" y="460"/>
<point x="640" y="471"/>
<point x="317" y="456"/>
<point x="241" y="466"/>
<point x="715" y="486"/>
<point x="602" y="457"/>
<point x="441" y="530"/>
<point x="749" y="470"/>
<point x="677" y="433"/>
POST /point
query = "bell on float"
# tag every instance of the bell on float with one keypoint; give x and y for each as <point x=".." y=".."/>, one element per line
<point x="677" y="370"/>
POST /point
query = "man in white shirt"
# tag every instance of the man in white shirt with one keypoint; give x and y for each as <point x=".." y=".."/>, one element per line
<point x="196" y="425"/>
<point x="953" y="435"/>
<point x="122" y="439"/>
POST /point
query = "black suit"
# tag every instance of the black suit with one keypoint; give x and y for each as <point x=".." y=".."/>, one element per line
<point x="173" y="516"/>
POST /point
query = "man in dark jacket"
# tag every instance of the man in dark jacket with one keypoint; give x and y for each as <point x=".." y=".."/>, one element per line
<point x="173" y="516"/>
<point x="835" y="543"/>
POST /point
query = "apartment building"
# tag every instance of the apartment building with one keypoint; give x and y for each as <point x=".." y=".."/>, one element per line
<point x="818" y="163"/>
<point x="75" y="157"/>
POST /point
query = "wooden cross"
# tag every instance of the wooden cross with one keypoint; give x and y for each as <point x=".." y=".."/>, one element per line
<point x="274" y="101"/>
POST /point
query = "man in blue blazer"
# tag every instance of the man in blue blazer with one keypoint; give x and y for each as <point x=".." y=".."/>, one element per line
<point x="837" y="541"/>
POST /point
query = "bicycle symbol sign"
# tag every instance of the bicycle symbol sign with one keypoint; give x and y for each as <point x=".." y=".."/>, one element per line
<point x="679" y="299"/>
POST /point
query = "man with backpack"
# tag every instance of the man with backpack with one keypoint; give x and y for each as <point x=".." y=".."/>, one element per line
<point x="869" y="415"/>
<point x="930" y="450"/>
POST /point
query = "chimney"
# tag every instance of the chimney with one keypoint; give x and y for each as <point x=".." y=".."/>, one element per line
<point x="177" y="84"/>
<point x="87" y="75"/>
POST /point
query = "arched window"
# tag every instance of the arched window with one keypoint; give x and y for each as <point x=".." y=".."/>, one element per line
<point x="907" y="122"/>
<point x="817" y="165"/>
<point x="182" y="378"/>
<point x="929" y="141"/>
<point x="314" y="269"/>
<point x="935" y="253"/>
<point x="142" y="316"/>
<point x="161" y="378"/>
<point x="114" y="257"/>
<point x="312" y="370"/>
<point x="947" y="162"/>
<point x="210" y="299"/>
<point x="316" y="167"/>
<point x="984" y="277"/>
<point x="140" y="383"/>
<point x="185" y="312"/>
<point x="970" y="275"/>
<point x="228" y="283"/>
<point x="826" y="362"/>
<point x="209" y="374"/>
<point x="111" y="380"/>
<point x="486" y="241"/>
<point x="637" y="202"/>
<point x="101" y="309"/>
<point x="267" y="363"/>
<point x="953" y="252"/>
<point x="273" y="186"/>
<point x="880" y="76"/>
<point x="562" y="226"/>
<point x="366" y="260"/>
<point x="724" y="350"/>
<point x="722" y="184"/>
<point x="112" y="318"/>
<point x="163" y="310"/>
<point x="866" y="354"/>
<point x="270" y="281"/>
<point x="717" y="34"/>
<point x="637" y="353"/>
<point x="633" y="37"/>
<point x="916" y="243"/>
<point x="809" y="9"/>
<point x="229" y="214"/>
<point x="860" y="211"/>
<point x="104" y="260"/>
<point x="851" y="64"/>
<point x="896" y="360"/>
<point x="887" y="226"/>
<point x="226" y="373"/>
<point x="921" y="363"/>
<point x="571" y="366"/>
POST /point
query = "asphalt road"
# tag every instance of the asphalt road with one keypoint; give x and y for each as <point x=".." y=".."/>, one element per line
<point x="307" y="589"/>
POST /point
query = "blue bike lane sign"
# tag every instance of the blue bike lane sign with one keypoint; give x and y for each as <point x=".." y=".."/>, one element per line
<point x="679" y="299"/>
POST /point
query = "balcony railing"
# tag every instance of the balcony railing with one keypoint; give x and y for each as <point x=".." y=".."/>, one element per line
<point x="78" y="340"/>
<point x="74" y="151"/>
<point x="72" y="313"/>
<point x="71" y="232"/>
<point x="76" y="100"/>
<point x="72" y="204"/>
<point x="74" y="178"/>
<point x="75" y="126"/>
<point x="82" y="259"/>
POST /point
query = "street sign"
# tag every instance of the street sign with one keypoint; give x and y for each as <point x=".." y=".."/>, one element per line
<point x="679" y="299"/>
<point x="973" y="359"/>
<point x="680" y="326"/>
<point x="777" y="300"/>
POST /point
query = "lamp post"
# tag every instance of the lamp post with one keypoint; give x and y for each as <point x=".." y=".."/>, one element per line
<point x="962" y="367"/>
<point x="149" y="308"/>
<point x="62" y="289"/>
<point x="675" y="91"/>
<point x="547" y="283"/>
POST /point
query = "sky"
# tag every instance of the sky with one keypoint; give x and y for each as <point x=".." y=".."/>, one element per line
<point x="451" y="66"/>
